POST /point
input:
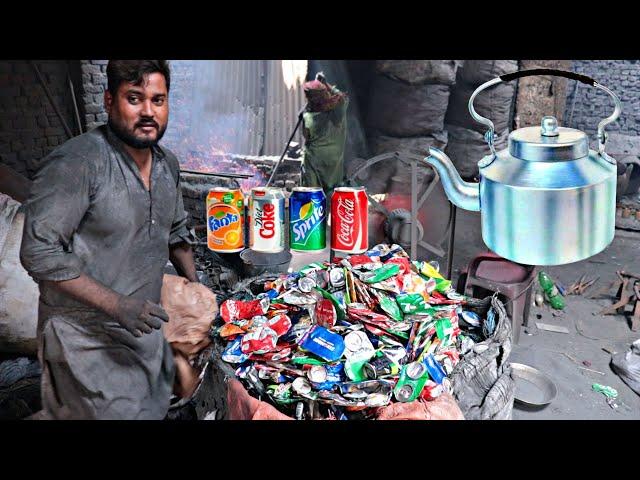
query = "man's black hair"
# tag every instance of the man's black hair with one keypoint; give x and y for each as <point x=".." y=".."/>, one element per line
<point x="134" y="71"/>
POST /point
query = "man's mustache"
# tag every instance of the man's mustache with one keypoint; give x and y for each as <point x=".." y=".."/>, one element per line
<point x="147" y="123"/>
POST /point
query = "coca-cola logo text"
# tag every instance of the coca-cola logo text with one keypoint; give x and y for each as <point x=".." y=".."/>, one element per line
<point x="346" y="215"/>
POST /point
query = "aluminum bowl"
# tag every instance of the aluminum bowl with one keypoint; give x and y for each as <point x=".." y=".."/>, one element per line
<point x="257" y="263"/>
<point x="532" y="387"/>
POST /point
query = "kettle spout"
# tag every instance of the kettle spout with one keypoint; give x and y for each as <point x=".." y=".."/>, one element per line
<point x="462" y="194"/>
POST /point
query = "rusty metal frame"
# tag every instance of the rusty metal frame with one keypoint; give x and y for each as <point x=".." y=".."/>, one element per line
<point x="412" y="158"/>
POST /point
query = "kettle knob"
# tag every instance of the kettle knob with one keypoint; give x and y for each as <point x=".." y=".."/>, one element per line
<point x="549" y="127"/>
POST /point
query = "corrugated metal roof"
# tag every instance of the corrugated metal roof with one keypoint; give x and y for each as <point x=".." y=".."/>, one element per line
<point x="283" y="104"/>
<point x="240" y="106"/>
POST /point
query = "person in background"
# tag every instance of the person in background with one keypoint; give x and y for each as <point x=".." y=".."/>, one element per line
<point x="325" y="133"/>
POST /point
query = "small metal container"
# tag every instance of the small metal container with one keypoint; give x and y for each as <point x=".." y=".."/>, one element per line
<point x="532" y="387"/>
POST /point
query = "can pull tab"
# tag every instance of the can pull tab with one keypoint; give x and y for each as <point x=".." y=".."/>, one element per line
<point x="549" y="127"/>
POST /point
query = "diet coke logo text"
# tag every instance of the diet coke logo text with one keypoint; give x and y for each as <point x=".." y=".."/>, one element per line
<point x="346" y="215"/>
<point x="265" y="219"/>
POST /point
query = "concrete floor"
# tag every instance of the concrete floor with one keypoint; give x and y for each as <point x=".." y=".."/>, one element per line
<point x="588" y="332"/>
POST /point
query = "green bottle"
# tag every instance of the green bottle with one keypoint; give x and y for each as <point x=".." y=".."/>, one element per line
<point x="549" y="287"/>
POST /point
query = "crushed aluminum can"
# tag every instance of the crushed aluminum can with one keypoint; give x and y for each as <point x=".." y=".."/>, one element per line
<point x="325" y="313"/>
<point x="404" y="393"/>
<point x="336" y="277"/>
<point x="435" y="370"/>
<point x="377" y="399"/>
<point x="323" y="343"/>
<point x="300" y="411"/>
<point x="321" y="277"/>
<point x="354" y="365"/>
<point x="357" y="341"/>
<point x="380" y="367"/>
<point x="280" y="324"/>
<point x="301" y="386"/>
<point x="431" y="390"/>
<point x="317" y="374"/>
<point x="356" y="395"/>
<point x="306" y="284"/>
<point x="231" y="310"/>
<point x="395" y="354"/>
<point x="453" y="295"/>
<point x="333" y="376"/>
<point x="260" y="340"/>
<point x="416" y="370"/>
<point x="295" y="297"/>
<point x="339" y="295"/>
<point x="258" y="321"/>
<point x="233" y="353"/>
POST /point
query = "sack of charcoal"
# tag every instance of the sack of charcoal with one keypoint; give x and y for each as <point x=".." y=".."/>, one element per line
<point x="420" y="72"/>
<point x="367" y="336"/>
<point x="401" y="110"/>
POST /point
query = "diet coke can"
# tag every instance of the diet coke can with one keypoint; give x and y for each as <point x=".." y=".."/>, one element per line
<point x="349" y="220"/>
<point x="266" y="211"/>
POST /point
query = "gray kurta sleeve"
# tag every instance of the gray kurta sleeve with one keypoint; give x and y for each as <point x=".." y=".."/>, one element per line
<point x="58" y="200"/>
<point x="179" y="232"/>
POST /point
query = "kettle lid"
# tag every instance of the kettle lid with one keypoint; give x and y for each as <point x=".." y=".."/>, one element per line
<point x="549" y="142"/>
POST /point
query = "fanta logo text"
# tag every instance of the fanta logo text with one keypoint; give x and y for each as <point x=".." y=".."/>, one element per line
<point x="265" y="220"/>
<point x="218" y="223"/>
<point x="301" y="228"/>
<point x="346" y="216"/>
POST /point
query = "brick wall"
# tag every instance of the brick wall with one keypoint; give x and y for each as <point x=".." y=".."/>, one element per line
<point x="592" y="105"/>
<point x="94" y="83"/>
<point x="29" y="126"/>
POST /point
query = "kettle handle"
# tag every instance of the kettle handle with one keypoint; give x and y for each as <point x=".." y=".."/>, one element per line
<point x="602" y="135"/>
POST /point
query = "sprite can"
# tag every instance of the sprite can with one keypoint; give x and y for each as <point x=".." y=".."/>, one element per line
<point x="308" y="219"/>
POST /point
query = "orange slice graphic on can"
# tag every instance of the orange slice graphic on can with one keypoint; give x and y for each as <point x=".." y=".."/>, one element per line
<point x="224" y="224"/>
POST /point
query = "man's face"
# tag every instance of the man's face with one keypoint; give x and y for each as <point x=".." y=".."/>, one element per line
<point x="138" y="114"/>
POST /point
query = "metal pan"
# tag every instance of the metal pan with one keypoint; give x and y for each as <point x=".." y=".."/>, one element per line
<point x="532" y="387"/>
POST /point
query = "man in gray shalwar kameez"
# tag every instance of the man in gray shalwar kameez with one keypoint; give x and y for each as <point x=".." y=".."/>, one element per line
<point x="104" y="215"/>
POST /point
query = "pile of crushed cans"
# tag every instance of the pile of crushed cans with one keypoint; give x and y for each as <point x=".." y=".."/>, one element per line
<point x="340" y="340"/>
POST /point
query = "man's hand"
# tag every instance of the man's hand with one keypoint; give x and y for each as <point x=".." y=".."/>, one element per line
<point x="139" y="316"/>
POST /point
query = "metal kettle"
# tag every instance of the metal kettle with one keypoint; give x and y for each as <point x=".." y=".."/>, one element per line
<point x="547" y="199"/>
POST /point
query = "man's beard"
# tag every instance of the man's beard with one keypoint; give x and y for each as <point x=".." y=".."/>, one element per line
<point x="130" y="139"/>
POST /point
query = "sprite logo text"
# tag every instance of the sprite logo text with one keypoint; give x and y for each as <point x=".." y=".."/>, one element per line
<point x="225" y="221"/>
<point x="303" y="226"/>
<point x="265" y="220"/>
<point x="346" y="214"/>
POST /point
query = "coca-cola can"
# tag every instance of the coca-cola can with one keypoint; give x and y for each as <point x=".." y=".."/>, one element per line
<point x="266" y="220"/>
<point x="349" y="220"/>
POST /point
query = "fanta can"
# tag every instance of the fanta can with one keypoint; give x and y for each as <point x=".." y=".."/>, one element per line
<point x="225" y="220"/>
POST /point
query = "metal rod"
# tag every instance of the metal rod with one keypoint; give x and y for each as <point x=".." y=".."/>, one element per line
<point x="213" y="174"/>
<point x="53" y="103"/>
<point x="75" y="103"/>
<point x="452" y="236"/>
<point x="414" y="209"/>
<point x="275" y="168"/>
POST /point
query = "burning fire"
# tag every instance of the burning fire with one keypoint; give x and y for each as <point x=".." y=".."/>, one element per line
<point x="212" y="156"/>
